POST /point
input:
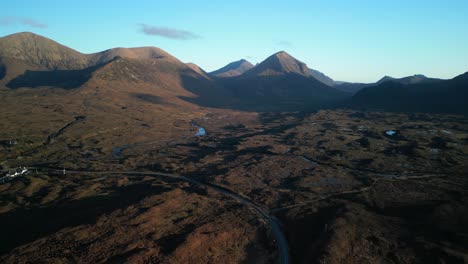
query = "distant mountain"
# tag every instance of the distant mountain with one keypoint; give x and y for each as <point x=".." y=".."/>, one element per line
<point x="356" y="87"/>
<point x="282" y="62"/>
<point x="322" y="77"/>
<point x="418" y="78"/>
<point x="279" y="64"/>
<point x="148" y="74"/>
<point x="233" y="69"/>
<point x="440" y="96"/>
<point x="280" y="83"/>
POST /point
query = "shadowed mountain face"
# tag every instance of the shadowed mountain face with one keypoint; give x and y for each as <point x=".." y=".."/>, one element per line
<point x="287" y="92"/>
<point x="280" y="83"/>
<point x="233" y="69"/>
<point x="67" y="79"/>
<point x="351" y="88"/>
<point x="436" y="96"/>
<point x="2" y="70"/>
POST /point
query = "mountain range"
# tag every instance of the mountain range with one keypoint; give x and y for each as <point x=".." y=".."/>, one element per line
<point x="415" y="94"/>
<point x="279" y="83"/>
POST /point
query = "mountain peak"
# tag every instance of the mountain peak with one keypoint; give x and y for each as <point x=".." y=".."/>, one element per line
<point x="385" y="78"/>
<point x="420" y="76"/>
<point x="233" y="69"/>
<point x="282" y="53"/>
<point x="142" y="53"/>
<point x="285" y="57"/>
<point x="24" y="34"/>
<point x="22" y="37"/>
<point x="278" y="64"/>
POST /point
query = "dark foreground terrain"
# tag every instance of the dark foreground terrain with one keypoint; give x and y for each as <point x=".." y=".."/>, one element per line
<point x="341" y="188"/>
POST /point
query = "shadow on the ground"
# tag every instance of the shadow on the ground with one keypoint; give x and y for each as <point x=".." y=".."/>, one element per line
<point x="26" y="225"/>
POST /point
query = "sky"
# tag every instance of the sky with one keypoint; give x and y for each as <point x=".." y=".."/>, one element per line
<point x="356" y="41"/>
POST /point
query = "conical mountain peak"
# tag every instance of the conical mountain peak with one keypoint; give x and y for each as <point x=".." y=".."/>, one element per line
<point x="278" y="64"/>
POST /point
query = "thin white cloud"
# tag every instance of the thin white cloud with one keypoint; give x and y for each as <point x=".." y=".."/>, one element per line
<point x="33" y="23"/>
<point x="284" y="43"/>
<point x="9" y="21"/>
<point x="167" y="32"/>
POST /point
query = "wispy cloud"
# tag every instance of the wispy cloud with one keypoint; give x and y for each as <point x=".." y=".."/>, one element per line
<point x="8" y="21"/>
<point x="167" y="32"/>
<point x="33" y="23"/>
<point x="284" y="43"/>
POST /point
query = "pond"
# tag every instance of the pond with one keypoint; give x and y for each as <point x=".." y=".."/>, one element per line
<point x="201" y="131"/>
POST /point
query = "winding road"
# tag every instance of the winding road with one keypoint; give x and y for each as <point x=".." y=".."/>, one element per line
<point x="273" y="223"/>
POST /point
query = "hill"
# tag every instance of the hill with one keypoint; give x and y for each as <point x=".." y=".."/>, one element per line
<point x="437" y="96"/>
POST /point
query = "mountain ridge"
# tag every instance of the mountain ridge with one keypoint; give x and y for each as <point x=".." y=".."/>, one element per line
<point x="441" y="96"/>
<point x="417" y="78"/>
<point x="279" y="83"/>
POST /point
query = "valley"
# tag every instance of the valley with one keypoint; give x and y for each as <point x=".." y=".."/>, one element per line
<point x="338" y="166"/>
<point x="133" y="156"/>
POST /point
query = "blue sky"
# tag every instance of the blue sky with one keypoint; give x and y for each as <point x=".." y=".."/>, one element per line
<point x="358" y="41"/>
